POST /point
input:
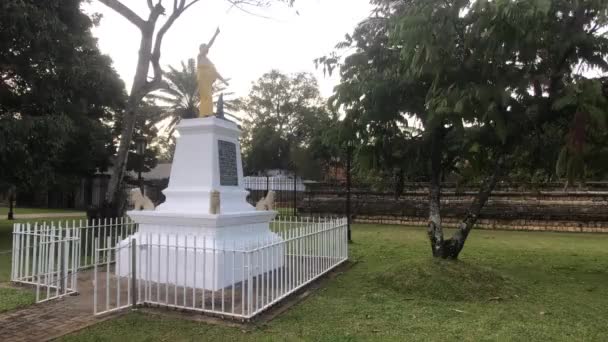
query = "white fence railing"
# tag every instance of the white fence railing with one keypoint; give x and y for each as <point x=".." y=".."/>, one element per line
<point x="109" y="231"/>
<point x="227" y="279"/>
<point x="230" y="278"/>
<point x="49" y="255"/>
<point x="46" y="256"/>
<point x="112" y="292"/>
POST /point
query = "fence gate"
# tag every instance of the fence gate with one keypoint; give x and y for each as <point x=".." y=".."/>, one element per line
<point x="48" y="257"/>
<point x="114" y="288"/>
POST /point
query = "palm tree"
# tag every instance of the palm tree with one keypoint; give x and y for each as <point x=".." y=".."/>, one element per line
<point x="180" y="93"/>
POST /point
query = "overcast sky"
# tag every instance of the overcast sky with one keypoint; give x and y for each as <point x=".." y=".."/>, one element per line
<point x="247" y="46"/>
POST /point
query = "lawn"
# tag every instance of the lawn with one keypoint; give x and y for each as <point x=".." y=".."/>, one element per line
<point x="26" y="211"/>
<point x="11" y="298"/>
<point x="508" y="286"/>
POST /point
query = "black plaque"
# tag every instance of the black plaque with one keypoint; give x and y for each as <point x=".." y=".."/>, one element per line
<point x="227" y="160"/>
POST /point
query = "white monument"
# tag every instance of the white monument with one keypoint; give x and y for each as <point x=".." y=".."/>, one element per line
<point x="207" y="163"/>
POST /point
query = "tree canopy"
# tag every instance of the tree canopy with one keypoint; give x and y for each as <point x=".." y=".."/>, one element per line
<point x="485" y="79"/>
<point x="58" y="94"/>
<point x="285" y="124"/>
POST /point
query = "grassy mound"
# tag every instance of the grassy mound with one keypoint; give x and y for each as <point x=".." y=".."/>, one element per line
<point x="447" y="280"/>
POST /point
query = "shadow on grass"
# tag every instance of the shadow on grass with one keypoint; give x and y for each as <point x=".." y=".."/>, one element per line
<point x="447" y="280"/>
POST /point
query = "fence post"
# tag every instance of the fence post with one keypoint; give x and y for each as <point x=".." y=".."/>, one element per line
<point x="133" y="273"/>
<point x="295" y="192"/>
<point x="62" y="263"/>
<point x="249" y="285"/>
<point x="267" y="186"/>
<point x="349" y="151"/>
<point x="15" y="253"/>
<point x="95" y="248"/>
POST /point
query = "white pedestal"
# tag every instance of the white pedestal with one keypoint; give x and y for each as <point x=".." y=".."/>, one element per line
<point x="181" y="242"/>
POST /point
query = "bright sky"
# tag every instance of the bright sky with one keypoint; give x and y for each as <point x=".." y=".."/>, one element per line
<point x="247" y="46"/>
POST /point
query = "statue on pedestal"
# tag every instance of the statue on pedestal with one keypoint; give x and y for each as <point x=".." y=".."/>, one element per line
<point x="206" y="76"/>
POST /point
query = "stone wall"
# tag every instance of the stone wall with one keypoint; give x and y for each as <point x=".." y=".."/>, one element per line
<point x="582" y="211"/>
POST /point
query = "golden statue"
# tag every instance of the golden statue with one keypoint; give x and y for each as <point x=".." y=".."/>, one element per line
<point x="206" y="75"/>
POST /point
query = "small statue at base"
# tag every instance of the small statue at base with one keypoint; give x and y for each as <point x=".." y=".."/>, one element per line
<point x="266" y="203"/>
<point x="214" y="203"/>
<point x="206" y="74"/>
<point x="139" y="201"/>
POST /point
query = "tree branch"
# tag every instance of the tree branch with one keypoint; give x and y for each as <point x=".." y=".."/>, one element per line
<point x="156" y="12"/>
<point x="179" y="7"/>
<point x="238" y="4"/>
<point x="485" y="190"/>
<point x="125" y="12"/>
<point x="190" y="4"/>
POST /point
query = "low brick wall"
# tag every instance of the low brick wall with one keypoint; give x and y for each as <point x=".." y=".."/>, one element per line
<point x="524" y="225"/>
<point x="539" y="211"/>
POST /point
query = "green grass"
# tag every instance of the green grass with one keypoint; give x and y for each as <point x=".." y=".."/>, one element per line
<point x="24" y="211"/>
<point x="509" y="286"/>
<point x="11" y="298"/>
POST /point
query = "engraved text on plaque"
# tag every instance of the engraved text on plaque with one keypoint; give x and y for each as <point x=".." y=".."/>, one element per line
<point x="227" y="160"/>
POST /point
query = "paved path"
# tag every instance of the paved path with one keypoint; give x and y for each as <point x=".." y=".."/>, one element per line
<point x="52" y="319"/>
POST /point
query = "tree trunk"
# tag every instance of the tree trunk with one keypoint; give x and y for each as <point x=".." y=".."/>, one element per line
<point x="452" y="247"/>
<point x="149" y="54"/>
<point x="137" y="93"/>
<point x="120" y="164"/>
<point x="11" y="200"/>
<point x="399" y="183"/>
<point x="434" y="229"/>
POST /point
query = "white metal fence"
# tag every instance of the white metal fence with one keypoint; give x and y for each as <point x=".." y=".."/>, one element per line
<point x="46" y="256"/>
<point x="108" y="232"/>
<point x="111" y="292"/>
<point x="49" y="255"/>
<point x="228" y="278"/>
<point x="238" y="279"/>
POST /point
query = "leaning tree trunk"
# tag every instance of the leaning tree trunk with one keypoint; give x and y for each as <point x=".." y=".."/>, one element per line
<point x="120" y="163"/>
<point x="453" y="246"/>
<point x="149" y="55"/>
<point x="128" y="122"/>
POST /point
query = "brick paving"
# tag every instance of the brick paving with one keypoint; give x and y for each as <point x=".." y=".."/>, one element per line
<point x="59" y="317"/>
<point x="52" y="319"/>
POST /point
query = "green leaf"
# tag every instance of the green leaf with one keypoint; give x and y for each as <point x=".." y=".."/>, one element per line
<point x="459" y="107"/>
<point x="597" y="115"/>
<point x="567" y="100"/>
